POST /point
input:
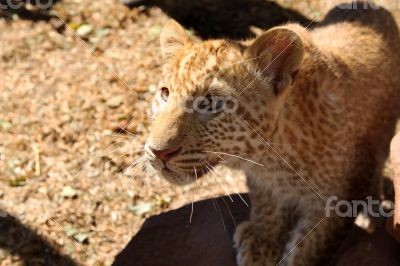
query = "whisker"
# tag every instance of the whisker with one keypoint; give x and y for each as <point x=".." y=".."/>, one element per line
<point x="220" y="157"/>
<point x="216" y="179"/>
<point x="195" y="172"/>
<point x="229" y="210"/>
<point x="129" y="122"/>
<point x="122" y="166"/>
<point x="240" y="196"/>
<point x="113" y="143"/>
<point x="134" y="163"/>
<point x="108" y="153"/>
<point x="217" y="209"/>
<point x="123" y="136"/>
<point x="139" y="169"/>
<point x="97" y="155"/>
<point x="135" y="170"/>
<point x="269" y="143"/>
<point x="130" y="133"/>
<point x="138" y="160"/>
<point x="85" y="167"/>
<point x="236" y="156"/>
<point x="191" y="213"/>
<point x="122" y="155"/>
<point x="220" y="213"/>
<point x="234" y="189"/>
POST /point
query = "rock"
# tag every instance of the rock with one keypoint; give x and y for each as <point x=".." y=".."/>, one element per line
<point x="141" y="208"/>
<point x="84" y="30"/>
<point x="69" y="192"/>
<point x="115" y="102"/>
<point x="169" y="239"/>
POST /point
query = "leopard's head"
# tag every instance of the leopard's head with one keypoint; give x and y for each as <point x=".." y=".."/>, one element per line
<point x="214" y="98"/>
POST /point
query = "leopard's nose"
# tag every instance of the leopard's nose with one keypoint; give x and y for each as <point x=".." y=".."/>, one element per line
<point x="164" y="155"/>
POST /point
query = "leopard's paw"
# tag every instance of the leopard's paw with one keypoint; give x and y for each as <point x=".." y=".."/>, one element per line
<point x="246" y="245"/>
<point x="252" y="249"/>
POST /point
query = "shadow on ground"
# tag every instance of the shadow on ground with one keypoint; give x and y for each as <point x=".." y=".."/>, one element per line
<point x="225" y="18"/>
<point x="19" y="240"/>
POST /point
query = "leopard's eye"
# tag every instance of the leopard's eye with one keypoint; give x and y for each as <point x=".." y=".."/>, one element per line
<point x="215" y="103"/>
<point x="204" y="104"/>
<point x="164" y="93"/>
<point x="209" y="104"/>
<point x="218" y="103"/>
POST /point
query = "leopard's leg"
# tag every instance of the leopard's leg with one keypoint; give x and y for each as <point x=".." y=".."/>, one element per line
<point x="260" y="241"/>
<point x="313" y="240"/>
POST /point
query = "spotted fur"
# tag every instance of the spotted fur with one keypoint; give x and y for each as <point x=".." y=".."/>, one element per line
<point x="316" y="108"/>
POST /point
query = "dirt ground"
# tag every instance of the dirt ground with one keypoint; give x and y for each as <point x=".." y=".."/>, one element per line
<point x="74" y="112"/>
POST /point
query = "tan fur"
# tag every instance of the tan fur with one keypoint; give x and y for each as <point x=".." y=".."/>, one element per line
<point x="319" y="118"/>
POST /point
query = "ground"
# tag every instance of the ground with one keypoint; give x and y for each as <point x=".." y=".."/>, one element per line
<point x="74" y="99"/>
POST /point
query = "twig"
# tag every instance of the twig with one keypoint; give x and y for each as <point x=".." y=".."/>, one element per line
<point x="36" y="151"/>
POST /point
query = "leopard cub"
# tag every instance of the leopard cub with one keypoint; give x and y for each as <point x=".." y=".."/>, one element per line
<point x="314" y="113"/>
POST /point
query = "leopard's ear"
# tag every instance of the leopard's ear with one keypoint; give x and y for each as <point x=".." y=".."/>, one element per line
<point x="278" y="54"/>
<point x="172" y="38"/>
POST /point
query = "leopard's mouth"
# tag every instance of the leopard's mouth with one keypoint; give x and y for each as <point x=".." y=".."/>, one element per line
<point x="179" y="173"/>
<point x="183" y="177"/>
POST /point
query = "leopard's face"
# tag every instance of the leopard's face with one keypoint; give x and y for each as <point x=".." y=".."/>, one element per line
<point x="194" y="113"/>
<point x="199" y="108"/>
